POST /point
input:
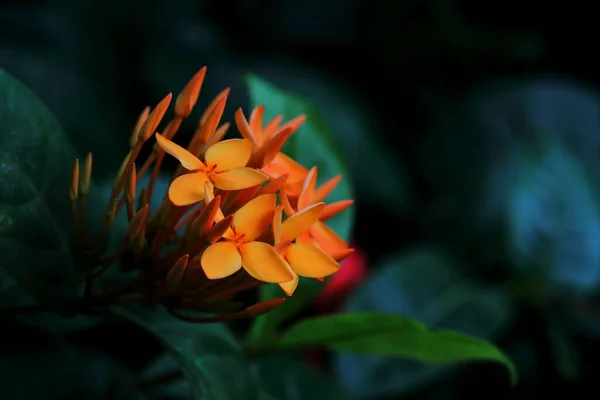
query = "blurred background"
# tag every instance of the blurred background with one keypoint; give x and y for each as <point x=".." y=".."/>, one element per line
<point x="472" y="135"/>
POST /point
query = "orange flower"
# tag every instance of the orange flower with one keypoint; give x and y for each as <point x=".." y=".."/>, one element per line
<point x="282" y="165"/>
<point x="319" y="233"/>
<point x="224" y="167"/>
<point x="239" y="248"/>
<point x="267" y="142"/>
<point x="305" y="259"/>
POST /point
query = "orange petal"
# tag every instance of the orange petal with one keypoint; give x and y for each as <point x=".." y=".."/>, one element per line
<point x="285" y="202"/>
<point x="188" y="189"/>
<point x="327" y="238"/>
<point x="221" y="260"/>
<point x="229" y="154"/>
<point x="282" y="164"/>
<point x="335" y="208"/>
<point x="187" y="159"/>
<point x="262" y="262"/>
<point x="255" y="122"/>
<point x="325" y="189"/>
<point x="290" y="287"/>
<point x="301" y="221"/>
<point x="255" y="217"/>
<point x="310" y="261"/>
<point x="339" y="255"/>
<point x="277" y="217"/>
<point x="308" y="189"/>
<point x="239" y="178"/>
<point x="273" y="146"/>
<point x="271" y="127"/>
<point x="244" y="127"/>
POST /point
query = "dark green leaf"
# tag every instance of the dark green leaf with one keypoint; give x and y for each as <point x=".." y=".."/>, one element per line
<point x="564" y="350"/>
<point x="208" y="354"/>
<point x="36" y="365"/>
<point x="177" y="389"/>
<point x="35" y="163"/>
<point x="393" y="335"/>
<point x="312" y="145"/>
<point x="425" y="285"/>
<point x="287" y="378"/>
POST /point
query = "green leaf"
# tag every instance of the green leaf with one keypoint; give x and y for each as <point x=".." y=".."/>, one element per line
<point x="427" y="286"/>
<point x="35" y="163"/>
<point x="209" y="356"/>
<point x="176" y="389"/>
<point x="312" y="145"/>
<point x="37" y="365"/>
<point x="564" y="350"/>
<point x="393" y="335"/>
<point x="287" y="378"/>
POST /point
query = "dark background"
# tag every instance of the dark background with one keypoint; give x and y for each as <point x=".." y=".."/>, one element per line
<point x="469" y="127"/>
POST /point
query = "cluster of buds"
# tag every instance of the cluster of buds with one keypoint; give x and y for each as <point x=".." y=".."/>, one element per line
<point x="238" y="213"/>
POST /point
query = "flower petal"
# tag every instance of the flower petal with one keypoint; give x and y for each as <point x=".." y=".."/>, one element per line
<point x="221" y="260"/>
<point x="310" y="261"/>
<point x="308" y="189"/>
<point x="239" y="178"/>
<point x="325" y="189"/>
<point x="290" y="287"/>
<point x="327" y="238"/>
<point x="277" y="217"/>
<point x="283" y="164"/>
<point x="262" y="262"/>
<point x="187" y="159"/>
<point x="300" y="222"/>
<point x="188" y="189"/>
<point x="254" y="217"/>
<point x="229" y="154"/>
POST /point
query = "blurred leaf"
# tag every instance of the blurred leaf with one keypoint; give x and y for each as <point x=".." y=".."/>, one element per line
<point x="355" y="128"/>
<point x="36" y="365"/>
<point x="208" y="354"/>
<point x="312" y="145"/>
<point x="35" y="164"/>
<point x="553" y="217"/>
<point x="287" y="378"/>
<point x="564" y="350"/>
<point x="175" y="390"/>
<point x="426" y="286"/>
<point x="527" y="148"/>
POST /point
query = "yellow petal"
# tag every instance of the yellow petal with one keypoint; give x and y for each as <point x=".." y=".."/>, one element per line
<point x="290" y="287"/>
<point x="310" y="261"/>
<point x="188" y="189"/>
<point x="187" y="159"/>
<point x="262" y="262"/>
<point x="229" y="154"/>
<point x="254" y="217"/>
<point x="239" y="178"/>
<point x="301" y="221"/>
<point x="308" y="189"/>
<point x="327" y="238"/>
<point x="221" y="260"/>
<point x="277" y="224"/>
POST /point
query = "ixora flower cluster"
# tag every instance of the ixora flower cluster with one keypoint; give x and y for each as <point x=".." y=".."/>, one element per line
<point x="238" y="213"/>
